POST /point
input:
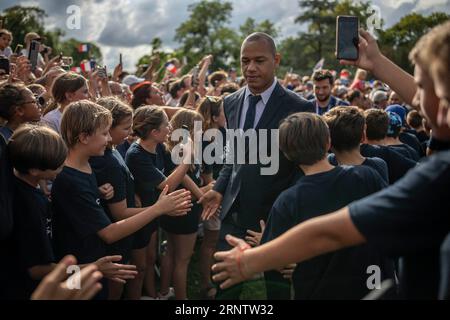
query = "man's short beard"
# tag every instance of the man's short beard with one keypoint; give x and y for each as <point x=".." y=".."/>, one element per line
<point x="323" y="100"/>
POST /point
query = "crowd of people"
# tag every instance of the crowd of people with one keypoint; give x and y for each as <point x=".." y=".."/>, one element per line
<point x="88" y="177"/>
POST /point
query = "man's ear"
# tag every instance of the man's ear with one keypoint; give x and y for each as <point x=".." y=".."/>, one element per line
<point x="84" y="138"/>
<point x="277" y="59"/>
<point x="364" y="135"/>
<point x="33" y="172"/>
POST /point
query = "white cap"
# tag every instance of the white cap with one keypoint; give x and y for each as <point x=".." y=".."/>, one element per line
<point x="131" y="80"/>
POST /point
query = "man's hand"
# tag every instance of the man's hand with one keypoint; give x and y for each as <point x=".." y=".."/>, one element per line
<point x="254" y="238"/>
<point x="53" y="286"/>
<point x="177" y="203"/>
<point x="210" y="201"/>
<point x="230" y="268"/>
<point x="106" y="191"/>
<point x="115" y="271"/>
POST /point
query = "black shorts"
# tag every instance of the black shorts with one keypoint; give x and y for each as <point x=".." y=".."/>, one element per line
<point x="186" y="224"/>
<point x="122" y="247"/>
<point x="141" y="238"/>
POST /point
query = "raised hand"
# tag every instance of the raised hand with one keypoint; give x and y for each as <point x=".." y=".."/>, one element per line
<point x="369" y="52"/>
<point x="210" y="201"/>
<point x="177" y="203"/>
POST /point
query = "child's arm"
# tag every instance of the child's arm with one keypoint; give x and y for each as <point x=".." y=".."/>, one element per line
<point x="371" y="59"/>
<point x="176" y="203"/>
<point x="175" y="178"/>
<point x="311" y="238"/>
<point x="192" y="187"/>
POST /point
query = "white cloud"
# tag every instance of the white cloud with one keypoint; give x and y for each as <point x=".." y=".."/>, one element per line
<point x="128" y="26"/>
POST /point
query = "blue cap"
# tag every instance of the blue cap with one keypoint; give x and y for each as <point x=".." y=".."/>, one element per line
<point x="395" y="123"/>
<point x="399" y="110"/>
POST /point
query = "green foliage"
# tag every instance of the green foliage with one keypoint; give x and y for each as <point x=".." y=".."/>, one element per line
<point x="22" y="20"/>
<point x="397" y="41"/>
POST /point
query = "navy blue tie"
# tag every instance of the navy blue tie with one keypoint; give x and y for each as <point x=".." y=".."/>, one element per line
<point x="251" y="112"/>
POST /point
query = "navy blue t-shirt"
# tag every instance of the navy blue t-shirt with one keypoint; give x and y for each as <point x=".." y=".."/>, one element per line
<point x="444" y="287"/>
<point x="111" y="168"/>
<point x="148" y="170"/>
<point x="31" y="235"/>
<point x="338" y="275"/>
<point x="406" y="151"/>
<point x="411" y="219"/>
<point x="409" y="138"/>
<point x="397" y="164"/>
<point x="123" y="148"/>
<point x="215" y="167"/>
<point x="78" y="216"/>
<point x="375" y="163"/>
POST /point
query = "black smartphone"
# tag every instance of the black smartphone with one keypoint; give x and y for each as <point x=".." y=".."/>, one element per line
<point x="4" y="65"/>
<point x="347" y="37"/>
<point x="195" y="73"/>
<point x="33" y="54"/>
<point x="120" y="58"/>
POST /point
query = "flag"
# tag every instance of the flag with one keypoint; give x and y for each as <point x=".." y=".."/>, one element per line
<point x="76" y="69"/>
<point x="319" y="65"/>
<point x="83" y="47"/>
<point x="86" y="66"/>
<point x="171" y="68"/>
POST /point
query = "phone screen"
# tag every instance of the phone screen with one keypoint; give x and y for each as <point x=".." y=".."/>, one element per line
<point x="33" y="54"/>
<point x="4" y="66"/>
<point x="347" y="37"/>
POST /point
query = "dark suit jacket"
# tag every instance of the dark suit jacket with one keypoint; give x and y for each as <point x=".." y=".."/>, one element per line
<point x="257" y="192"/>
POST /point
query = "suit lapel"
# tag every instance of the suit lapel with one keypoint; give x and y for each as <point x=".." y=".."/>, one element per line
<point x="271" y="108"/>
<point x="239" y="102"/>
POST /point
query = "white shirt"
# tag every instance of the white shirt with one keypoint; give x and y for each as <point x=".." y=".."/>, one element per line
<point x="7" y="52"/>
<point x="260" y="106"/>
<point x="53" y="119"/>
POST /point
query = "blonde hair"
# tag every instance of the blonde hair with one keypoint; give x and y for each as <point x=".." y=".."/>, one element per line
<point x="433" y="51"/>
<point x="209" y="107"/>
<point x="119" y="110"/>
<point x="146" y="119"/>
<point x="184" y="117"/>
<point x="83" y="116"/>
<point x="360" y="74"/>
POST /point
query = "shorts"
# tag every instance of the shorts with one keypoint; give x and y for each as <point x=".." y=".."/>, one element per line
<point x="186" y="224"/>
<point x="141" y="238"/>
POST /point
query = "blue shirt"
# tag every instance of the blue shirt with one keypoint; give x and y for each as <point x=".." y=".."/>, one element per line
<point x="334" y="102"/>
<point x="338" y="275"/>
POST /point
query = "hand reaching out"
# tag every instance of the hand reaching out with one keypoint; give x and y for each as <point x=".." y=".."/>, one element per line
<point x="254" y="238"/>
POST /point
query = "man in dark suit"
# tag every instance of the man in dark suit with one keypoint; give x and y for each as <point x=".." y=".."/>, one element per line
<point x="245" y="194"/>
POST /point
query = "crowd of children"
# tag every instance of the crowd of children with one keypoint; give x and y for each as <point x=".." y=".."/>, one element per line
<point x="88" y="178"/>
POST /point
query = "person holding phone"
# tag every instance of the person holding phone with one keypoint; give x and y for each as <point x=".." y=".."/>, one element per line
<point x="5" y="42"/>
<point x="29" y="37"/>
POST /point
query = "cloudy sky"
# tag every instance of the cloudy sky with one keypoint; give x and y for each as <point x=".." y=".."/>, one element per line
<point x="127" y="26"/>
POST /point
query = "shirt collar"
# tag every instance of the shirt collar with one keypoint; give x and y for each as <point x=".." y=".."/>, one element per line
<point x="265" y="96"/>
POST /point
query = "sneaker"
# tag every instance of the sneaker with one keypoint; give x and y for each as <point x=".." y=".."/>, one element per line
<point x="170" y="294"/>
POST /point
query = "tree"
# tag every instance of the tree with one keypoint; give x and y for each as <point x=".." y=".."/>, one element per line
<point x="397" y="41"/>
<point x="70" y="48"/>
<point x="205" y="32"/>
<point x="302" y="52"/>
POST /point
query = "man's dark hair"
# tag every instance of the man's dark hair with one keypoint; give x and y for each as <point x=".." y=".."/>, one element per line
<point x="261" y="36"/>
<point x="377" y="122"/>
<point x="304" y="138"/>
<point x="346" y="126"/>
<point x="352" y="95"/>
<point x="414" y="119"/>
<point x="174" y="87"/>
<point x="320" y="75"/>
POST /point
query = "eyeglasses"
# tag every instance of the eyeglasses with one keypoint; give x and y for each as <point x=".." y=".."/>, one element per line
<point x="27" y="102"/>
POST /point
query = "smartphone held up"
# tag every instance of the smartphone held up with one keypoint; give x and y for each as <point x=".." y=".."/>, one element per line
<point x="347" y="38"/>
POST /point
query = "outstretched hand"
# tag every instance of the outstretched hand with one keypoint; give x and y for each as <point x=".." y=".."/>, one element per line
<point x="230" y="269"/>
